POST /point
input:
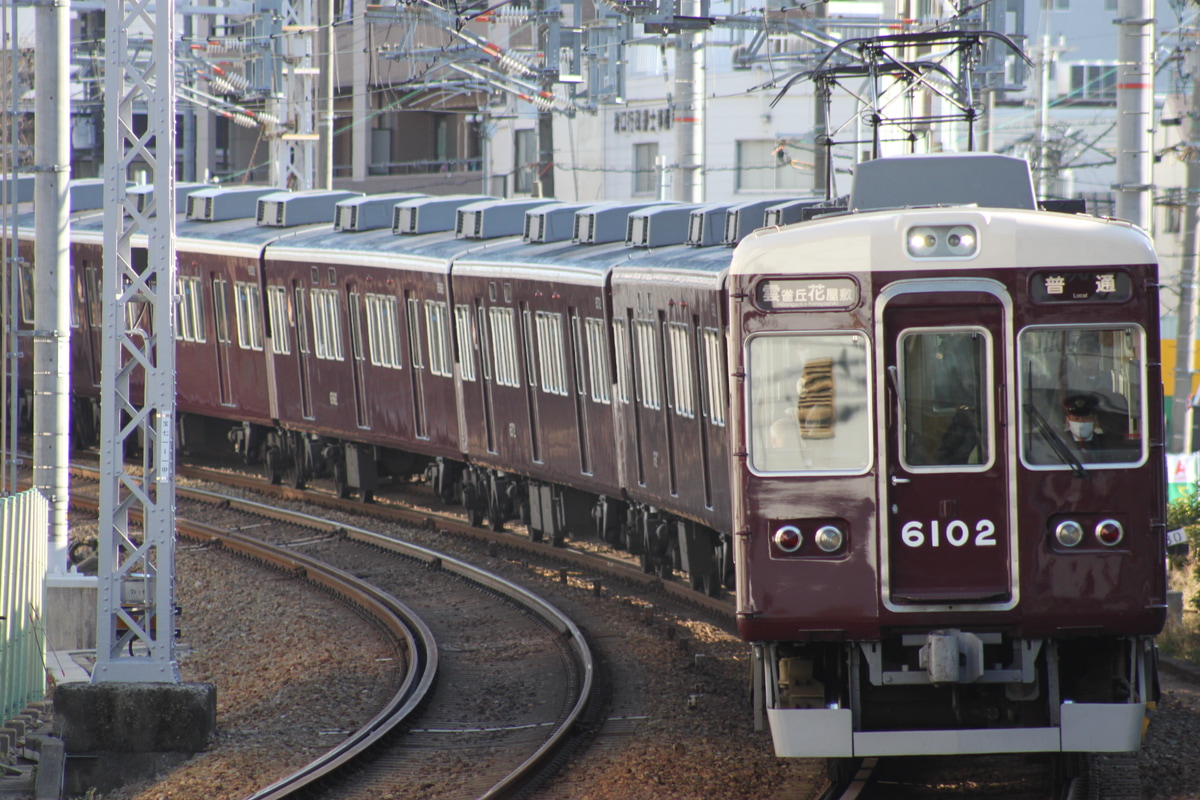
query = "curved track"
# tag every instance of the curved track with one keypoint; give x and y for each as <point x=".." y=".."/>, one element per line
<point x="391" y="743"/>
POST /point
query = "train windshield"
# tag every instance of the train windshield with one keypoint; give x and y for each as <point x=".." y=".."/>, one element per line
<point x="945" y="386"/>
<point x="1082" y="396"/>
<point x="806" y="407"/>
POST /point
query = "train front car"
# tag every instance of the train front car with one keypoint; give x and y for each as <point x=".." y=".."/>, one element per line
<point x="950" y="492"/>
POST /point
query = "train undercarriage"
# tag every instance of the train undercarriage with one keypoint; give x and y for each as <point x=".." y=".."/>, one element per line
<point x="956" y="691"/>
<point x="664" y="543"/>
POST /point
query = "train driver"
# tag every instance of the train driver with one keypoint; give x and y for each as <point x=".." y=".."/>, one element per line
<point x="1087" y="437"/>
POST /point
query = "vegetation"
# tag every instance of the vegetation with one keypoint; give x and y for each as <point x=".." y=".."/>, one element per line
<point x="1182" y="640"/>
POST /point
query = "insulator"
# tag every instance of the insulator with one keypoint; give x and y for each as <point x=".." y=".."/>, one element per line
<point x="244" y="121"/>
<point x="220" y="85"/>
<point x="268" y="119"/>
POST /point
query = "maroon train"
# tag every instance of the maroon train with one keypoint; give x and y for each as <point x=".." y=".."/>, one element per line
<point x="923" y="430"/>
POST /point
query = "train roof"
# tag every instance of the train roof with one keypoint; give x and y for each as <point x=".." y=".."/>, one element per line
<point x="1007" y="239"/>
<point x="430" y="252"/>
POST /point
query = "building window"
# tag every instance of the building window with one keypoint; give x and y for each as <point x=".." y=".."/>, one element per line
<point x="1093" y="83"/>
<point x="526" y="160"/>
<point x="645" y="174"/>
<point x="768" y="165"/>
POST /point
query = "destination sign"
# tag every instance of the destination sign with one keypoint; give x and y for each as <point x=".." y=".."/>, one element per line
<point x="1089" y="286"/>
<point x="792" y="293"/>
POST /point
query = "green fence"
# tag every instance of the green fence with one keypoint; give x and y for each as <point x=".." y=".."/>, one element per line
<point x="24" y="533"/>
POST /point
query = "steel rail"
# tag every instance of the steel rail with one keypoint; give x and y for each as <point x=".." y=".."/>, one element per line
<point x="415" y="687"/>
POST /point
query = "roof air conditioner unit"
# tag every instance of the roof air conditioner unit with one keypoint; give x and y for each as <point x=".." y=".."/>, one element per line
<point x="431" y="214"/>
<point x="225" y="202"/>
<point x="16" y="188"/>
<point x="142" y="196"/>
<point x="368" y="213"/>
<point x="289" y="209"/>
<point x="607" y="222"/>
<point x="744" y="218"/>
<point x="788" y="212"/>
<point x="551" y="223"/>
<point x="659" y="226"/>
<point x="706" y="225"/>
<point x="87" y="194"/>
<point x="489" y="219"/>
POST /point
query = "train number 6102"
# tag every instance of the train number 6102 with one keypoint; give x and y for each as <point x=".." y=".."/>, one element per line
<point x="956" y="533"/>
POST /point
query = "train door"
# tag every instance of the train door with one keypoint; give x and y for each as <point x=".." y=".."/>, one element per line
<point x="303" y="350"/>
<point x="668" y="383"/>
<point x="220" y="290"/>
<point x="947" y="535"/>
<point x="485" y="363"/>
<point x="417" y="374"/>
<point x="581" y="416"/>
<point x="93" y="297"/>
<point x="531" y="382"/>
<point x="354" y="315"/>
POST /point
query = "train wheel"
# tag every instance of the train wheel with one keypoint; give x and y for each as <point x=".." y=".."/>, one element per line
<point x="474" y="517"/>
<point x="342" y="489"/>
<point x="647" y="561"/>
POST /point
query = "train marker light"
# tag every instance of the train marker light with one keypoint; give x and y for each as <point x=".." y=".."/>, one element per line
<point x="1109" y="532"/>
<point x="828" y="538"/>
<point x="1069" y="533"/>
<point x="788" y="538"/>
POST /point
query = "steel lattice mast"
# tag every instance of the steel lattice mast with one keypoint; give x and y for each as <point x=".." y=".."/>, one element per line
<point x="136" y="625"/>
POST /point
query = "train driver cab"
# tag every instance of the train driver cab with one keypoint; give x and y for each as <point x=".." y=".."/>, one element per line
<point x="1082" y="398"/>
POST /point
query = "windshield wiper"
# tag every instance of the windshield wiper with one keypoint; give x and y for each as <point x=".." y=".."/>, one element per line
<point x="1055" y="441"/>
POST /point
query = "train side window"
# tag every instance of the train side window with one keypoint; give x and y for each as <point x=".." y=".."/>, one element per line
<point x="504" y="346"/>
<point x="353" y="306"/>
<point x="946" y="391"/>
<point x="301" y="323"/>
<point x="414" y="331"/>
<point x="27" y="308"/>
<point x="550" y="352"/>
<point x="1082" y="396"/>
<point x="647" y="363"/>
<point x="327" y="324"/>
<point x="249" y="315"/>
<point x="437" y="327"/>
<point x="714" y="375"/>
<point x="577" y="352"/>
<point x="80" y="299"/>
<point x="807" y="408"/>
<point x="621" y="345"/>
<point x="484" y="357"/>
<point x="527" y="336"/>
<point x="220" y="288"/>
<point x="277" y="307"/>
<point x="466" y="339"/>
<point x="190" y="311"/>
<point x="95" y="312"/>
<point x="598" y="360"/>
<point x="383" y="322"/>
<point x="681" y="370"/>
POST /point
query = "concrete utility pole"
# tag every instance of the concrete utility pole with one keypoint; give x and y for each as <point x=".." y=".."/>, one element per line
<point x="135" y="637"/>
<point x="1189" y="274"/>
<point x="326" y="116"/>
<point x="1135" y="110"/>
<point x="689" y="108"/>
<point x="52" y="287"/>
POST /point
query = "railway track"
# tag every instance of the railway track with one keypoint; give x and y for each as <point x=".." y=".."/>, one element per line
<point x="494" y="633"/>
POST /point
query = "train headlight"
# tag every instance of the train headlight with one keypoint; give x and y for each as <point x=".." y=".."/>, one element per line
<point x="942" y="241"/>
<point x="788" y="538"/>
<point x="1109" y="532"/>
<point x="1069" y="533"/>
<point x="828" y="538"/>
<point x="961" y="241"/>
<point x="922" y="242"/>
